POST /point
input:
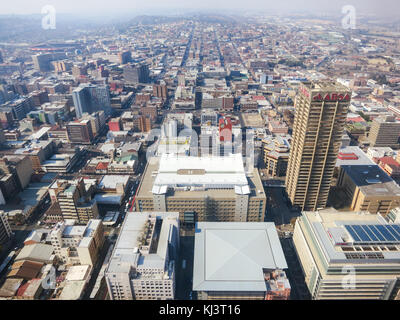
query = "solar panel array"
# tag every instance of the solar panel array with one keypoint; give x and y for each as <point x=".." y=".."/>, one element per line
<point x="377" y="233"/>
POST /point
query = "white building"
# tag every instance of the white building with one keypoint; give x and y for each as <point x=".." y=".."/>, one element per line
<point x="77" y="244"/>
<point x="348" y="255"/>
<point x="142" y="265"/>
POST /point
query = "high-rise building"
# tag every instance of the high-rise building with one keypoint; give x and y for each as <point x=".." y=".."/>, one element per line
<point x="348" y="255"/>
<point x="160" y="91"/>
<point x="239" y="261"/>
<point x="74" y="200"/>
<point x="384" y="132"/>
<point x="97" y="121"/>
<point x="136" y="73"/>
<point x="321" y="109"/>
<point x="90" y="98"/>
<point x="80" y="132"/>
<point x="124" y="57"/>
<point x="1" y="57"/>
<point x="5" y="230"/>
<point x="77" y="244"/>
<point x="42" y="62"/>
<point x="142" y="264"/>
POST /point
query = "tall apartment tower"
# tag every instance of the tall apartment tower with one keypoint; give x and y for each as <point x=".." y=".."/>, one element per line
<point x="5" y="230"/>
<point x="321" y="109"/>
<point x="385" y="132"/>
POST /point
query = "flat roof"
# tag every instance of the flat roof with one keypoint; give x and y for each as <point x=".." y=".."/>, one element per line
<point x="353" y="156"/>
<point x="73" y="290"/>
<point x="331" y="232"/>
<point x="111" y="181"/>
<point x="372" y="180"/>
<point x="231" y="256"/>
<point x="148" y="185"/>
<point x="124" y="254"/>
<point x="197" y="171"/>
<point x="77" y="273"/>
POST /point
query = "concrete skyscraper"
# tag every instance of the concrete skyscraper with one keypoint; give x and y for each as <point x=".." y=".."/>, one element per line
<point x="321" y="109"/>
<point x="90" y="98"/>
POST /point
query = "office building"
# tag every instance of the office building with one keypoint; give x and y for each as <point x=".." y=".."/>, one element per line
<point x="77" y="244"/>
<point x="89" y="98"/>
<point x="384" y="132"/>
<point x="37" y="151"/>
<point x="97" y="121"/>
<point x="241" y="261"/>
<point x="74" y="198"/>
<point x="276" y="155"/>
<point x="214" y="188"/>
<point x="321" y="109"/>
<point x="136" y="73"/>
<point x="348" y="255"/>
<point x="5" y="230"/>
<point x="142" y="264"/>
<point x="160" y="91"/>
<point x="368" y="188"/>
<point x="80" y="132"/>
<point x="124" y="57"/>
<point x="42" y="62"/>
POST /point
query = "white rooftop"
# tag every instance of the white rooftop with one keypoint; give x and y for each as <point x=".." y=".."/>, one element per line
<point x="77" y="273"/>
<point x="360" y="158"/>
<point x="211" y="172"/>
<point x="111" y="181"/>
<point x="231" y="256"/>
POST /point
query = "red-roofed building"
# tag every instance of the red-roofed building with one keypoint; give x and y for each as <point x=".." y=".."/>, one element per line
<point x="115" y="124"/>
<point x="102" y="167"/>
<point x="355" y="119"/>
<point x="258" y="98"/>
<point x="390" y="166"/>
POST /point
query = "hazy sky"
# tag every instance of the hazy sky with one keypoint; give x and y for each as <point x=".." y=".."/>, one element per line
<point x="379" y="7"/>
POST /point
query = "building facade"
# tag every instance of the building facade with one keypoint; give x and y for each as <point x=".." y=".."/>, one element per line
<point x="348" y="255"/>
<point x="215" y="188"/>
<point x="142" y="264"/>
<point x="321" y="110"/>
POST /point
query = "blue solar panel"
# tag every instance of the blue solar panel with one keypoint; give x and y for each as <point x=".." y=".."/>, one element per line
<point x="388" y="236"/>
<point x="396" y="227"/>
<point x="368" y="231"/>
<point x="393" y="232"/>
<point x="352" y="233"/>
<point x="374" y="233"/>
<point x="361" y="233"/>
<point x="377" y="233"/>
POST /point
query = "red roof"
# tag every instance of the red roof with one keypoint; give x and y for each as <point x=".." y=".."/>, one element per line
<point x="258" y="98"/>
<point x="389" y="161"/>
<point x="355" y="119"/>
<point x="347" y="156"/>
<point x="22" y="289"/>
<point x="102" y="166"/>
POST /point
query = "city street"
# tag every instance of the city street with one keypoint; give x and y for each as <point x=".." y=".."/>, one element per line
<point x="184" y="269"/>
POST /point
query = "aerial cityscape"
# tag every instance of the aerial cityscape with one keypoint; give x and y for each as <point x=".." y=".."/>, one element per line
<point x="199" y="152"/>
